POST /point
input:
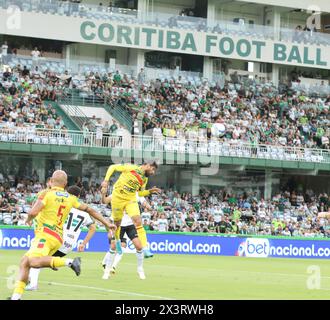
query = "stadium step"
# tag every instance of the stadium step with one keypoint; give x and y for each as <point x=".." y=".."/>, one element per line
<point x="117" y="111"/>
<point x="69" y="123"/>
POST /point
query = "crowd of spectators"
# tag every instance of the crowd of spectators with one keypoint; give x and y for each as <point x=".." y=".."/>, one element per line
<point x="25" y="102"/>
<point x="234" y="111"/>
<point x="249" y="112"/>
<point x="23" y="98"/>
<point x="287" y="213"/>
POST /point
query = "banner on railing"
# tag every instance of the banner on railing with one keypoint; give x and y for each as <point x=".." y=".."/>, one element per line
<point x="188" y="244"/>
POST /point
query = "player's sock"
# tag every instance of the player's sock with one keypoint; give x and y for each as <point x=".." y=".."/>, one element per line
<point x="140" y="258"/>
<point x="57" y="262"/>
<point x="108" y="264"/>
<point x="34" y="276"/>
<point x="117" y="233"/>
<point x="68" y="262"/>
<point x="18" y="291"/>
<point x="110" y="258"/>
<point x="118" y="241"/>
<point x="117" y="260"/>
<point x="142" y="236"/>
<point x="106" y="259"/>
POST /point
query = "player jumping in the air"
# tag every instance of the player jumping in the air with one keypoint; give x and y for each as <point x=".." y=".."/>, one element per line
<point x="112" y="258"/>
<point x="133" y="179"/>
<point x="76" y="220"/>
<point x="53" y="207"/>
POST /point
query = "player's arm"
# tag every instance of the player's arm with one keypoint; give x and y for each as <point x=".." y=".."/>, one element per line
<point x="145" y="204"/>
<point x="105" y="199"/>
<point x="97" y="216"/>
<point x="144" y="193"/>
<point x="111" y="170"/>
<point x="37" y="207"/>
<point x="91" y="232"/>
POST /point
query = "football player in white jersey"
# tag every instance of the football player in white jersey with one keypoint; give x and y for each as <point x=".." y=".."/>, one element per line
<point x="112" y="258"/>
<point x="71" y="231"/>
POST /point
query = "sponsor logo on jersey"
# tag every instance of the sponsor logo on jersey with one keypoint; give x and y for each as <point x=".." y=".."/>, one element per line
<point x="62" y="194"/>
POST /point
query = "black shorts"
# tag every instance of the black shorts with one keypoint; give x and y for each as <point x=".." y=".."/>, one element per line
<point x="130" y="231"/>
<point x="59" y="254"/>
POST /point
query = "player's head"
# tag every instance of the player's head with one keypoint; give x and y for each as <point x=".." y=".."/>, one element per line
<point x="150" y="168"/>
<point x="74" y="190"/>
<point x="59" y="179"/>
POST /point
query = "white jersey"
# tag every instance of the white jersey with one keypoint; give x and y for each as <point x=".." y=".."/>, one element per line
<point x="126" y="221"/>
<point x="76" y="220"/>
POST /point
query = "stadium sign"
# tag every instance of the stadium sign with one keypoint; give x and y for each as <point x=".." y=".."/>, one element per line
<point x="201" y="43"/>
<point x="108" y="32"/>
<point x="167" y="243"/>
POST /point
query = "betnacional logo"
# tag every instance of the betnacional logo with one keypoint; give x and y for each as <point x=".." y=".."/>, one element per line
<point x="253" y="247"/>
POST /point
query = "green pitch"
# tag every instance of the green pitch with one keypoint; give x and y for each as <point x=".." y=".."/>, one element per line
<point x="177" y="277"/>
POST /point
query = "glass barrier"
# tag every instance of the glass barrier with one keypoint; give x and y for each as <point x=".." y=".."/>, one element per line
<point x="207" y="147"/>
<point x="83" y="66"/>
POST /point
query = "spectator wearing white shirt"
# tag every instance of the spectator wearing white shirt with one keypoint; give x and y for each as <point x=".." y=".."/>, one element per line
<point x="162" y="223"/>
<point x="13" y="114"/>
<point x="35" y="56"/>
<point x="99" y="132"/>
<point x="4" y="52"/>
<point x="10" y="123"/>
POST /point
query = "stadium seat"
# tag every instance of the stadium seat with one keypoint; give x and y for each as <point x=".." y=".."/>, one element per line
<point x="44" y="140"/>
<point x="7" y="218"/>
<point x="4" y="137"/>
<point x="12" y="137"/>
<point x="52" y="140"/>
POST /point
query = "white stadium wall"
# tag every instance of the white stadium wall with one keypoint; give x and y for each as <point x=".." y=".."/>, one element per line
<point x="164" y="39"/>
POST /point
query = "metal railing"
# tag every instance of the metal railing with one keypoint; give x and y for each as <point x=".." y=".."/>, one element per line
<point x="75" y="114"/>
<point x="203" y="147"/>
<point x="165" y="20"/>
<point x="78" y="98"/>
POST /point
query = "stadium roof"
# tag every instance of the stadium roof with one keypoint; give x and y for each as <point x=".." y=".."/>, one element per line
<point x="313" y="5"/>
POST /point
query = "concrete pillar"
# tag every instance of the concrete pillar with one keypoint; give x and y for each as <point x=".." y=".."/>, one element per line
<point x="268" y="184"/>
<point x="211" y="22"/>
<point x="67" y="56"/>
<point x="136" y="59"/>
<point x="275" y="74"/>
<point x="208" y="68"/>
<point x="195" y="185"/>
<point x="139" y="60"/>
<point x="39" y="165"/>
<point x="142" y="9"/>
<point x="276" y="23"/>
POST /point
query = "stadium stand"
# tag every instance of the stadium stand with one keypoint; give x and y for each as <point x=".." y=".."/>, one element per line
<point x="222" y="211"/>
<point x="250" y="113"/>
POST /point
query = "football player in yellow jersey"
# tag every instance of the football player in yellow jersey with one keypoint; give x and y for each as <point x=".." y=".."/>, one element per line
<point x="52" y="209"/>
<point x="41" y="194"/>
<point x="133" y="179"/>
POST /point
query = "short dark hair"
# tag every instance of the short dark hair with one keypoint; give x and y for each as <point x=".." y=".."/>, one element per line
<point x="152" y="163"/>
<point x="74" y="190"/>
